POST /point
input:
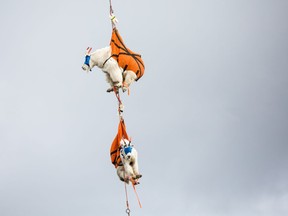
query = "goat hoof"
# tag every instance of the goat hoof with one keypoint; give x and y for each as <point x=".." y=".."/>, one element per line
<point x="117" y="84"/>
<point x="138" y="176"/>
<point x="109" y="90"/>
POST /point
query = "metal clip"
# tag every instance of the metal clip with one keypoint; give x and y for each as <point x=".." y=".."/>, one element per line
<point x="128" y="211"/>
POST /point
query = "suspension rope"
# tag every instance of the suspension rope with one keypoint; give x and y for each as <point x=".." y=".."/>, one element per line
<point x="112" y="16"/>
<point x="136" y="195"/>
<point x="127" y="202"/>
<point x="111" y="9"/>
<point x="120" y="104"/>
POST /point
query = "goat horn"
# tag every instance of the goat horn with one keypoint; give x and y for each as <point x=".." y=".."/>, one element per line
<point x="89" y="50"/>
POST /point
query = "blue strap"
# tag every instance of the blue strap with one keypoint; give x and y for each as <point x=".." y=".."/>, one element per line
<point x="87" y="59"/>
<point x="128" y="150"/>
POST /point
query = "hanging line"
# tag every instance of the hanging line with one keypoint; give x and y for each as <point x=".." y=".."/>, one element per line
<point x="127" y="202"/>
<point x="110" y="3"/>
<point x="126" y="194"/>
<point x="111" y="9"/>
<point x="137" y="195"/>
<point x="120" y="104"/>
<point x="112" y="16"/>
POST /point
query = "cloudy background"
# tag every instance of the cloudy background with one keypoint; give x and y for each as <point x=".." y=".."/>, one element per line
<point x="209" y="117"/>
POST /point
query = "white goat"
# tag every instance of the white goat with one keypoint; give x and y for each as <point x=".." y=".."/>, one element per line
<point x="129" y="169"/>
<point x="102" y="58"/>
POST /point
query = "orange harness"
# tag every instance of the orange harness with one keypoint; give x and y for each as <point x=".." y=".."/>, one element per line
<point x="125" y="57"/>
<point x="115" y="146"/>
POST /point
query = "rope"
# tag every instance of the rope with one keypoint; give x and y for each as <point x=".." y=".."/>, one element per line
<point x="112" y="15"/>
<point x="111" y="9"/>
<point x="120" y="104"/>
<point x="117" y="94"/>
<point x="126" y="194"/>
<point x="127" y="202"/>
<point x="137" y="195"/>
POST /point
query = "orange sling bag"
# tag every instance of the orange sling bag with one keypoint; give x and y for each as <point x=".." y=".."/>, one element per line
<point x="115" y="146"/>
<point x="125" y="57"/>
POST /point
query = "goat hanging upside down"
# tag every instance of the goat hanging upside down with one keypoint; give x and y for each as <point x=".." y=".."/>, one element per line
<point x="121" y="65"/>
<point x="128" y="170"/>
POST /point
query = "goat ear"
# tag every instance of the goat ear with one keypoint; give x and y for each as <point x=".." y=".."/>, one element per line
<point x="130" y="140"/>
<point x="123" y="143"/>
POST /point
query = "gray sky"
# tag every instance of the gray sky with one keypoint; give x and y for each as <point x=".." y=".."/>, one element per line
<point x="209" y="117"/>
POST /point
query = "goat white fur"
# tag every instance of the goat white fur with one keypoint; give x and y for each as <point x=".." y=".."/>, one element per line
<point x="129" y="157"/>
<point x="103" y="60"/>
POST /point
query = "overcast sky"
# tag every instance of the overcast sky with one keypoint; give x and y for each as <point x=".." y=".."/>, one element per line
<point x="209" y="117"/>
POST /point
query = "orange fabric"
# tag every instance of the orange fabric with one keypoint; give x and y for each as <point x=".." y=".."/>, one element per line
<point x="115" y="146"/>
<point x="125" y="57"/>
